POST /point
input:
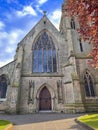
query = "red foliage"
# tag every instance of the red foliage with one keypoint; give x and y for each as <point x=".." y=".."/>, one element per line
<point x="87" y="13"/>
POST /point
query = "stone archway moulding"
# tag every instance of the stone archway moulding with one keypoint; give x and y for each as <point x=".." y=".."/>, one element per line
<point x="51" y="90"/>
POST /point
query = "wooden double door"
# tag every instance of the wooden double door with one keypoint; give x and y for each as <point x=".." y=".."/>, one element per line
<point x="45" y="99"/>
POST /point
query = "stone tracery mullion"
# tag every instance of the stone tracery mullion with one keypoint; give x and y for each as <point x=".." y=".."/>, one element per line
<point x="89" y="84"/>
<point x="87" y="75"/>
<point x="86" y="85"/>
<point x="42" y="59"/>
<point x="46" y="45"/>
<point x="52" y="58"/>
<point x="47" y="58"/>
<point x="38" y="58"/>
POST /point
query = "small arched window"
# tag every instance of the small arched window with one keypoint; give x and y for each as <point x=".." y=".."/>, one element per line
<point x="88" y="85"/>
<point x="44" y="55"/>
<point x="81" y="46"/>
<point x="3" y="86"/>
<point x="72" y="23"/>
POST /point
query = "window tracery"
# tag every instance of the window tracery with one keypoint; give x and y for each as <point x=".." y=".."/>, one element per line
<point x="44" y="55"/>
<point x="88" y="84"/>
<point x="72" y="23"/>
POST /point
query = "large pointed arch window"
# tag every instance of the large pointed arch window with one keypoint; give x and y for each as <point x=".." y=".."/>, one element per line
<point x="44" y="55"/>
<point x="3" y="86"/>
<point x="88" y="85"/>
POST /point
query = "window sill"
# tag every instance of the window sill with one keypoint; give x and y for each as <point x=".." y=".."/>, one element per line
<point x="2" y="99"/>
<point x="43" y="75"/>
<point x="88" y="98"/>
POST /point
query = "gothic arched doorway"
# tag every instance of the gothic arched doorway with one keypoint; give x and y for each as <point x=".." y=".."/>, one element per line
<point x="45" y="99"/>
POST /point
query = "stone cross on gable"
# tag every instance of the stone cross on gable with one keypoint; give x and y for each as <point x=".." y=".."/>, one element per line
<point x="44" y="12"/>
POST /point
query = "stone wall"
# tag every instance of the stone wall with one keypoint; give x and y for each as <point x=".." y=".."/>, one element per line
<point x="39" y="82"/>
<point x="90" y="103"/>
<point x="8" y="70"/>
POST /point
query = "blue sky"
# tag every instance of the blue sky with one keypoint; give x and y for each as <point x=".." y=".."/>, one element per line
<point x="17" y="18"/>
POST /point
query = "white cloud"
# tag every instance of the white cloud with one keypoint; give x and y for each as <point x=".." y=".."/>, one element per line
<point x="12" y="37"/>
<point x="56" y="14"/>
<point x="42" y="1"/>
<point x="15" y="36"/>
<point x="9" y="49"/>
<point x="3" y="35"/>
<point x="8" y="44"/>
<point x="27" y="10"/>
<point x="2" y="25"/>
<point x="39" y="9"/>
<point x="2" y="63"/>
<point x="55" y="17"/>
<point x="9" y="40"/>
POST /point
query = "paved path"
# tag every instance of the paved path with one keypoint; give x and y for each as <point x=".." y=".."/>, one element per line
<point x="44" y="121"/>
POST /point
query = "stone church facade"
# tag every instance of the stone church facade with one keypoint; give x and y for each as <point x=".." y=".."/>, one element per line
<point x="50" y="72"/>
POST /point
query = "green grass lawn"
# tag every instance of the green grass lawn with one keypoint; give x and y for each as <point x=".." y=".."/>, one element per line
<point x="90" y="119"/>
<point x="3" y="124"/>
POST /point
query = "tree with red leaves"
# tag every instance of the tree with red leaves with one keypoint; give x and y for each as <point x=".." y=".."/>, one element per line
<point x="87" y="13"/>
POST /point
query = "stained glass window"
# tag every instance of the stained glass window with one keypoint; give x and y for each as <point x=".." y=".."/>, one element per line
<point x="3" y="86"/>
<point x="44" y="55"/>
<point x="88" y="85"/>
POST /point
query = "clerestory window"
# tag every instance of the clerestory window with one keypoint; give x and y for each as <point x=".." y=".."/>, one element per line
<point x="44" y="55"/>
<point x="88" y="85"/>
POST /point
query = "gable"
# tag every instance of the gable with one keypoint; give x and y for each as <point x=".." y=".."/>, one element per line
<point x="43" y="24"/>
